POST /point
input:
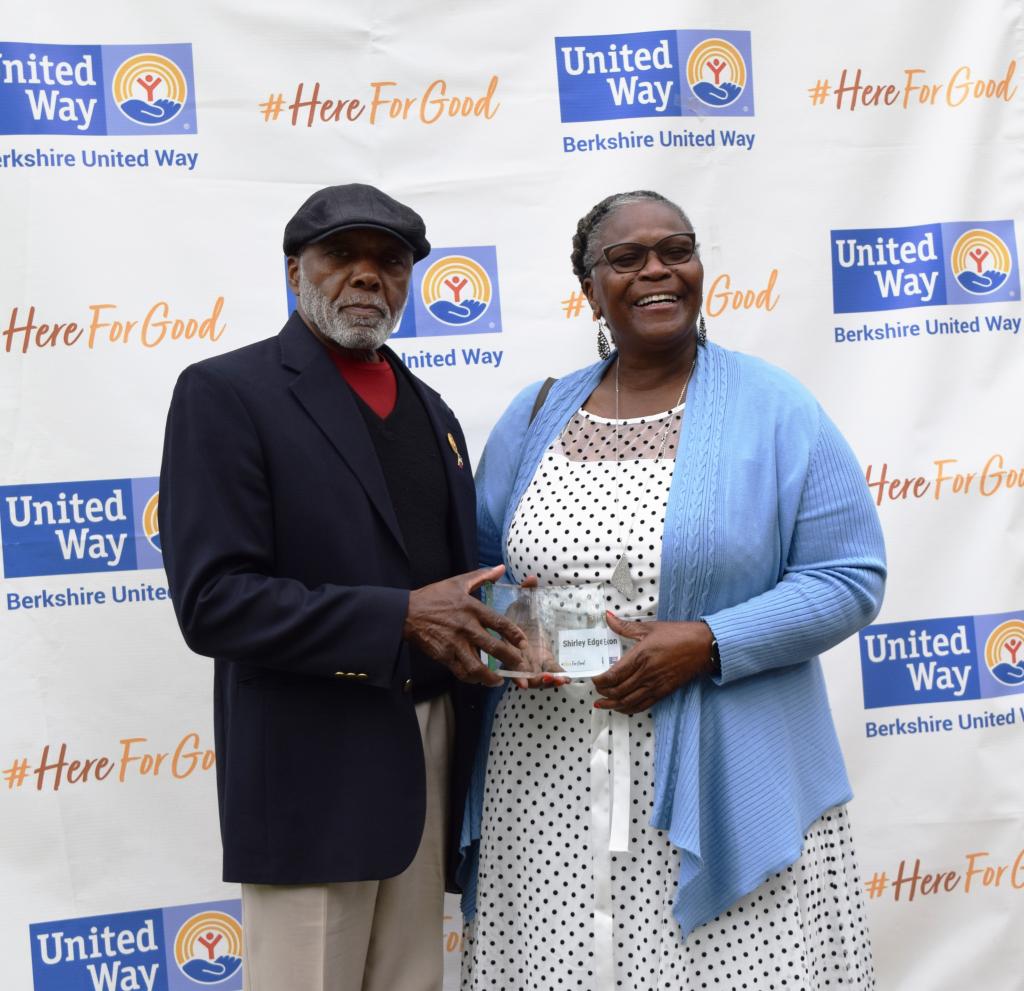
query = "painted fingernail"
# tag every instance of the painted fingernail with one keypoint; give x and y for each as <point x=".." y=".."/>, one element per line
<point x="547" y="679"/>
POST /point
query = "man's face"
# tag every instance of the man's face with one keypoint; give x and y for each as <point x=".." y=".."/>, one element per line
<point x="352" y="285"/>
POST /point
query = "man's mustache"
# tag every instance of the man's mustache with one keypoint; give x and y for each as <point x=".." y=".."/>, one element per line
<point x="363" y="300"/>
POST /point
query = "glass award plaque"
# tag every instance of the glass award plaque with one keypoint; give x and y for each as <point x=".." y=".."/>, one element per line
<point x="565" y="626"/>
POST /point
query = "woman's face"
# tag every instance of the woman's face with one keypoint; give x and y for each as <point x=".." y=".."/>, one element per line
<point x="657" y="306"/>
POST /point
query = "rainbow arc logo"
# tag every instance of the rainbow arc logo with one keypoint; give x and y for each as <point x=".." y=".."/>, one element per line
<point x="149" y="89"/>
<point x="208" y="947"/>
<point x="716" y="72"/>
<point x="1004" y="655"/>
<point x="456" y="290"/>
<point x="981" y="261"/>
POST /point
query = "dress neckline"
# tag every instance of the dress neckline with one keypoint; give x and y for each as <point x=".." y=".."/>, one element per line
<point x="648" y="418"/>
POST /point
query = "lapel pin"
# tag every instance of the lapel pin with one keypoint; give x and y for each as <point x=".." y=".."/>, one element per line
<point x="455" y="448"/>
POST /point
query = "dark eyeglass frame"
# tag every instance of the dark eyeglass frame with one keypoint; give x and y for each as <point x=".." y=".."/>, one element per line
<point x="647" y="249"/>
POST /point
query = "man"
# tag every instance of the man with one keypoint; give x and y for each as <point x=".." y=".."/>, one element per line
<point x="315" y="499"/>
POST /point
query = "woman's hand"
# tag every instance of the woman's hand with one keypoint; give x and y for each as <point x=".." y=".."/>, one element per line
<point x="665" y="656"/>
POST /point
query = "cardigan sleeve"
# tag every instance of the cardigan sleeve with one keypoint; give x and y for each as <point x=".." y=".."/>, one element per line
<point x="496" y="474"/>
<point x="832" y="582"/>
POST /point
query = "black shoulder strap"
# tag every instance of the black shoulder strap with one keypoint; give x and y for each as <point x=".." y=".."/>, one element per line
<point x="541" y="396"/>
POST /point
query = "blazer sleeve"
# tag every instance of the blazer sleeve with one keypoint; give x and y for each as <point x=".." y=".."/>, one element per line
<point x="216" y="531"/>
<point x="832" y="582"/>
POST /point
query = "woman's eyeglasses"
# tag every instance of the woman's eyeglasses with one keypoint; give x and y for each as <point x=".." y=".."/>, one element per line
<point x="628" y="256"/>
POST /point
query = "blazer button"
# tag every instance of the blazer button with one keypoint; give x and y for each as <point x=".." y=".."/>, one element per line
<point x="407" y="687"/>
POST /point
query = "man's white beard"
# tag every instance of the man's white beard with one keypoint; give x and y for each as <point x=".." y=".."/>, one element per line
<point x="359" y="334"/>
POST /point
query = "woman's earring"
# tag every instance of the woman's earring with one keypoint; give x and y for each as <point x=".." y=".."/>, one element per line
<point x="702" y="331"/>
<point x="604" y="349"/>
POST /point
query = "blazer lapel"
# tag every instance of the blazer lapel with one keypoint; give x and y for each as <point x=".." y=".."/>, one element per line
<point x="327" y="399"/>
<point x="462" y="496"/>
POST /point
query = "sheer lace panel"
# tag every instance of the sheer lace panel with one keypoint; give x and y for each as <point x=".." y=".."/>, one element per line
<point x="588" y="437"/>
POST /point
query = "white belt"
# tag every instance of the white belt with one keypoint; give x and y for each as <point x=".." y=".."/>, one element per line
<point x="609" y="827"/>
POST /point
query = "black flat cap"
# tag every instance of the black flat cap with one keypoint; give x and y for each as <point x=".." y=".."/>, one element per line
<point x="337" y="208"/>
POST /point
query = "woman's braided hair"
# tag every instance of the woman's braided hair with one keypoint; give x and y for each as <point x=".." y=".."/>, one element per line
<point x="584" y="252"/>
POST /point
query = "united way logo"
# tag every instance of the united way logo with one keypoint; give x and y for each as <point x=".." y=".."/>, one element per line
<point x="150" y="89"/>
<point x="96" y="89"/>
<point x="716" y="72"/>
<point x="952" y="659"/>
<point x="1003" y="654"/>
<point x="654" y="74"/>
<point x="980" y="261"/>
<point x="456" y="290"/>
<point x="887" y="268"/>
<point x="208" y="947"/>
<point x="181" y="948"/>
<point x="151" y="522"/>
<point x="66" y="528"/>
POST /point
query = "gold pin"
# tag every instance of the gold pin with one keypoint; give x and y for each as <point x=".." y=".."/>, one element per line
<point x="455" y="448"/>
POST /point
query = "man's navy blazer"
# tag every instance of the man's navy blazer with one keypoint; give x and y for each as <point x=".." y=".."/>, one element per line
<point x="286" y="564"/>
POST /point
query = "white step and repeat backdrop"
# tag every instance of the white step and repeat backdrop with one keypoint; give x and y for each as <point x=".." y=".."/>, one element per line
<point x="854" y="173"/>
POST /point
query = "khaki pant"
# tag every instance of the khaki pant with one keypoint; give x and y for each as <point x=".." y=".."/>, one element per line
<point x="361" y="935"/>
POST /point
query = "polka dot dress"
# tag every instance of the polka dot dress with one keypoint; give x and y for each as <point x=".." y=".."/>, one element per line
<point x="537" y="895"/>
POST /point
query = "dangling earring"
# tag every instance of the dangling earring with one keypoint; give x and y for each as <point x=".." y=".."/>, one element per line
<point x="604" y="349"/>
<point x="702" y="331"/>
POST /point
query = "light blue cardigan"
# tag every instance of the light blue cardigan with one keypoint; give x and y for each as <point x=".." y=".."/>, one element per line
<point x="772" y="537"/>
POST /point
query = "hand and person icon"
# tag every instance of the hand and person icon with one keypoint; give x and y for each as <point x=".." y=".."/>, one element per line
<point x="1010" y="672"/>
<point x="150" y="110"/>
<point x="213" y="969"/>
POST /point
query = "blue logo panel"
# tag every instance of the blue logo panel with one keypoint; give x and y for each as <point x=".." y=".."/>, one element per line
<point x="51" y="89"/>
<point x="717" y="73"/>
<point x="981" y="262"/>
<point x="150" y="89"/>
<point x="1001" y="660"/>
<point x="454" y="291"/>
<point x="943" y="660"/>
<point x="182" y="948"/>
<point x="889" y="268"/>
<point x="290" y="301"/>
<point x="613" y="76"/>
<point x="654" y="74"/>
<point x="146" y="532"/>
<point x="108" y="951"/>
<point x="67" y="528"/>
<point x="207" y="948"/>
<point x="929" y="660"/>
<point x="96" y="89"/>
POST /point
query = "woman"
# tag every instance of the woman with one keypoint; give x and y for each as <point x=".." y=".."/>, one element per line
<point x="678" y="821"/>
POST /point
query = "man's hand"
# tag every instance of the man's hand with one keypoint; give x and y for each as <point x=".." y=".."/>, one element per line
<point x="665" y="656"/>
<point x="452" y="627"/>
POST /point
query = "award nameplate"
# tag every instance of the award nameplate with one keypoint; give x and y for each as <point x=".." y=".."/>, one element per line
<point x="565" y="627"/>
